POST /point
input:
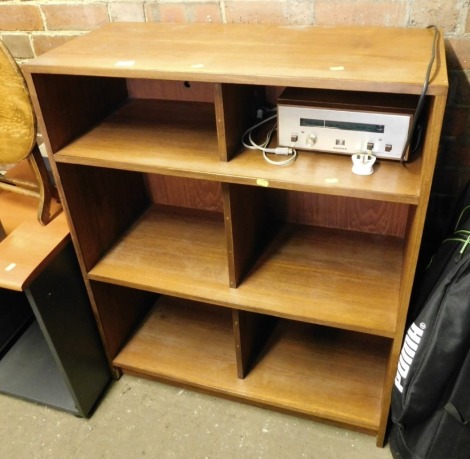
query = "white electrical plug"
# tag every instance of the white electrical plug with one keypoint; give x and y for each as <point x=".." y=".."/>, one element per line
<point x="363" y="163"/>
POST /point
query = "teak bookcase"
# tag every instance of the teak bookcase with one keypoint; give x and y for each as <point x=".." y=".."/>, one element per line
<point x="207" y="267"/>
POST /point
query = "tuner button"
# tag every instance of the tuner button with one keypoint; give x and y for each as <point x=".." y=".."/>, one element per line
<point x="311" y="140"/>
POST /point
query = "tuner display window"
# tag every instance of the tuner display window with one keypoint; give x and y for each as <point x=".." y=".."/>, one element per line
<point x="311" y="123"/>
<point x="344" y="125"/>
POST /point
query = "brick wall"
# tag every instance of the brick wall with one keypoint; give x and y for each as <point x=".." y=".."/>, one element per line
<point x="31" y="27"/>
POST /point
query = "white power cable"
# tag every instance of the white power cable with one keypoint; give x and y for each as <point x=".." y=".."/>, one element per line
<point x="248" y="142"/>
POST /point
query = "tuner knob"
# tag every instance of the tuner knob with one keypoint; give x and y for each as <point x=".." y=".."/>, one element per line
<point x="311" y="140"/>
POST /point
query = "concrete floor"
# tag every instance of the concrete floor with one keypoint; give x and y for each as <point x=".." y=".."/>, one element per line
<point x="140" y="418"/>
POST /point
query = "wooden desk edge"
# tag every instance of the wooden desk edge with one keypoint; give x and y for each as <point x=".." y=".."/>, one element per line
<point x="26" y="251"/>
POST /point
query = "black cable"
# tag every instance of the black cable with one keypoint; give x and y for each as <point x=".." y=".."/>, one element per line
<point x="427" y="78"/>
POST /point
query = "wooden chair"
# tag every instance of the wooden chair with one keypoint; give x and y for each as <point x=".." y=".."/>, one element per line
<point x="18" y="137"/>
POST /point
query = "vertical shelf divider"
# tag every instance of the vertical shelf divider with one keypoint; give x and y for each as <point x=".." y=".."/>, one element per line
<point x="235" y="109"/>
<point x="251" y="332"/>
<point x="248" y="227"/>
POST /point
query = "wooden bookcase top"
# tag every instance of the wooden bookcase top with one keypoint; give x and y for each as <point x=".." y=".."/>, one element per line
<point x="353" y="58"/>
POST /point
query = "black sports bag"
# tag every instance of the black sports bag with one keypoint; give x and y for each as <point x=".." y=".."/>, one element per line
<point x="431" y="394"/>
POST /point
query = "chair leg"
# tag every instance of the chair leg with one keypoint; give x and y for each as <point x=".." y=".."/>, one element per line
<point x="47" y="191"/>
<point x="2" y="232"/>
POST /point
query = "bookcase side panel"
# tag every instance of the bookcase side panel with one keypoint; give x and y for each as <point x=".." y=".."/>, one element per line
<point x="102" y="204"/>
<point x="414" y="232"/>
<point x="120" y="311"/>
<point x="68" y="105"/>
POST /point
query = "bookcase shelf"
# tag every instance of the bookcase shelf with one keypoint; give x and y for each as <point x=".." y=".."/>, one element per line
<point x="150" y="136"/>
<point x="160" y="251"/>
<point x="292" y="371"/>
<point x="286" y="287"/>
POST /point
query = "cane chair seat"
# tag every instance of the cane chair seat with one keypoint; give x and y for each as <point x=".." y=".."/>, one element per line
<point x="17" y="119"/>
